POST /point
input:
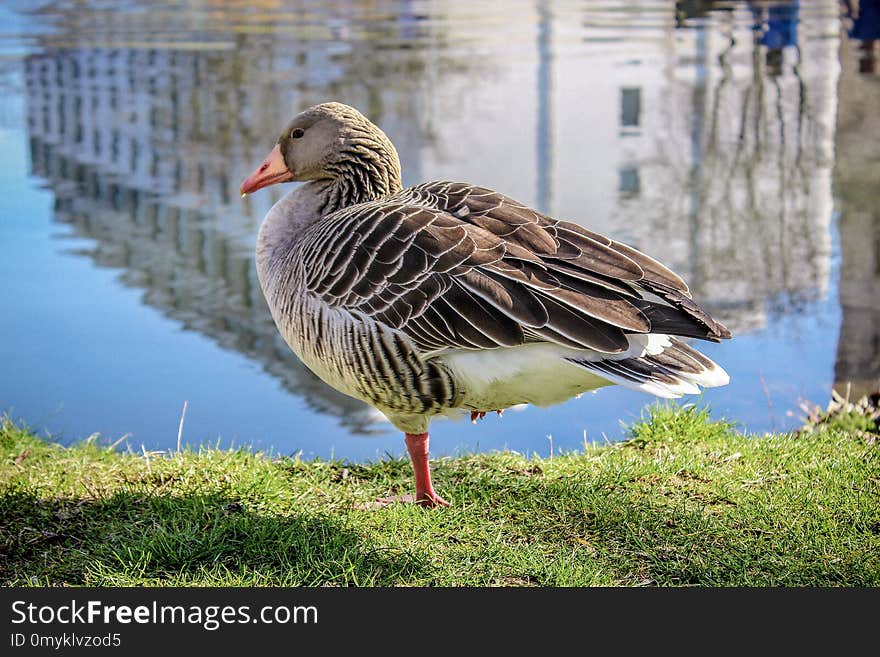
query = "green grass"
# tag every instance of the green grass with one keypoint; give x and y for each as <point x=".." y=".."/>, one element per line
<point x="684" y="501"/>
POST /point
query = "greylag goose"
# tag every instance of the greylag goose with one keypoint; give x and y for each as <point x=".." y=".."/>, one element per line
<point x="446" y="297"/>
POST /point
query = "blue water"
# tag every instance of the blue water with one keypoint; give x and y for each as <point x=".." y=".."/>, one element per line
<point x="127" y="268"/>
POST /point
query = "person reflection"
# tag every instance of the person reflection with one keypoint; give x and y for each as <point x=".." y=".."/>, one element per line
<point x="776" y="25"/>
<point x="865" y="16"/>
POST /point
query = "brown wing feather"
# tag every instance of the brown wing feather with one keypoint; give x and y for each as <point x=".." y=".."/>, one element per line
<point x="455" y="266"/>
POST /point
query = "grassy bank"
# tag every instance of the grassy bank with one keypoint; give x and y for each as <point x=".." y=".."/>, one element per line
<point x="684" y="501"/>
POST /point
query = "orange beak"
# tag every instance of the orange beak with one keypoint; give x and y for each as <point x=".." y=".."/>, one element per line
<point x="272" y="170"/>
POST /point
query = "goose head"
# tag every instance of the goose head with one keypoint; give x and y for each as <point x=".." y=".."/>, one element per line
<point x="329" y="141"/>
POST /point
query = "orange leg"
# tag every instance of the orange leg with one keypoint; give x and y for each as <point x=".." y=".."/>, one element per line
<point x="417" y="446"/>
<point x="479" y="415"/>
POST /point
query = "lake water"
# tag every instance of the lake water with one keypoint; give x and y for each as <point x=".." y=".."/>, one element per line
<point x="735" y="141"/>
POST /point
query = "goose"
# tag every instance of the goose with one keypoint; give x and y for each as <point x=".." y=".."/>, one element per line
<point x="447" y="298"/>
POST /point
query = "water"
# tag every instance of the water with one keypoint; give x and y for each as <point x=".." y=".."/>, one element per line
<point x="735" y="141"/>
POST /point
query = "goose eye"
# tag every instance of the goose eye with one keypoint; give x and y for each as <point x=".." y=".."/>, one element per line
<point x="296" y="134"/>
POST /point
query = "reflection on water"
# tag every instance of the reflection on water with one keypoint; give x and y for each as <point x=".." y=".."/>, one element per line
<point x="188" y="268"/>
<point x="856" y="173"/>
<point x="703" y="132"/>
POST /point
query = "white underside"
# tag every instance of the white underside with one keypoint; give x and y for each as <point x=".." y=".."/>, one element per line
<point x="540" y="374"/>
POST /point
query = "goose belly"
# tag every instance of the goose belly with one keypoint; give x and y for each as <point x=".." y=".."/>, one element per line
<point x="530" y="374"/>
<point x="309" y="330"/>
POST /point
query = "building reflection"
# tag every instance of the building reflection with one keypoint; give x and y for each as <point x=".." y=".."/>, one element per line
<point x="708" y="142"/>
<point x="723" y="155"/>
<point x="856" y="172"/>
<point x="143" y="149"/>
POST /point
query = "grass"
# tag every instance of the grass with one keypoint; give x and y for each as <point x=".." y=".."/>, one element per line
<point x="684" y="501"/>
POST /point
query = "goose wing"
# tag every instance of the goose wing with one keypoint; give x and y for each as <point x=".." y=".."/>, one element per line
<point x="455" y="266"/>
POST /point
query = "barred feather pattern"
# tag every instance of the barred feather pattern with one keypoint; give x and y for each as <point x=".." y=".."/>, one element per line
<point x="374" y="294"/>
<point x="376" y="288"/>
